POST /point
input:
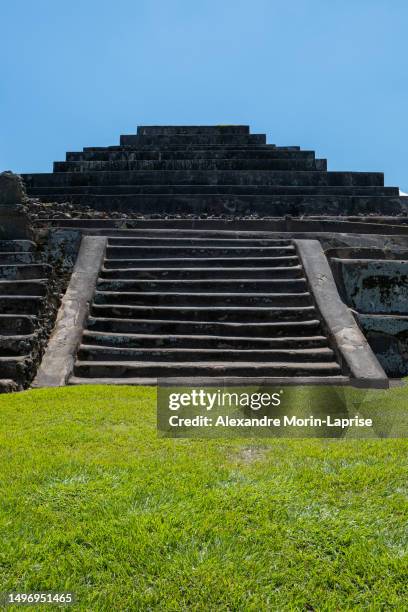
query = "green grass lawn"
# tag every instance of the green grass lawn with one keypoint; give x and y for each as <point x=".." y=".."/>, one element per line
<point x="92" y="501"/>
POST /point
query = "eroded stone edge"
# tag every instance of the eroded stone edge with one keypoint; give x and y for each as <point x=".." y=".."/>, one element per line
<point x="364" y="368"/>
<point x="58" y="360"/>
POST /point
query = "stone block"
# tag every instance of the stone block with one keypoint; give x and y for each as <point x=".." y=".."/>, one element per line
<point x="14" y="221"/>
<point x="388" y="338"/>
<point x="373" y="286"/>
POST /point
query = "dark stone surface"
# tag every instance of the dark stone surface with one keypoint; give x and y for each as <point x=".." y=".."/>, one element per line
<point x="388" y="337"/>
<point x="374" y="282"/>
<point x="12" y="191"/>
<point x="153" y="130"/>
<point x="29" y="297"/>
<point x="232" y="205"/>
<point x="186" y="139"/>
<point x="190" y="164"/>
<point x="373" y="286"/>
<point x="261" y="178"/>
<point x="13" y="218"/>
<point x="122" y="154"/>
<point x="216" y="170"/>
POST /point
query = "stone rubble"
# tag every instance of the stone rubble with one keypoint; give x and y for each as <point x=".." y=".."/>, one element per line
<point x="38" y="210"/>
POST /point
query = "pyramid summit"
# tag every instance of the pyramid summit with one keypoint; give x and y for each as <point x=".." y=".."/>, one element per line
<point x="211" y="170"/>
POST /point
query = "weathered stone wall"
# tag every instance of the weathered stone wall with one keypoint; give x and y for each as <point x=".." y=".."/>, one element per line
<point x="374" y="283"/>
<point x="34" y="271"/>
<point x="388" y="337"/>
<point x="373" y="286"/>
<point x="13" y="218"/>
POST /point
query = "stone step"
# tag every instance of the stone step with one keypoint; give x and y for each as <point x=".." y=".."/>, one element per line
<point x="25" y="271"/>
<point x="226" y="381"/>
<point x="21" y="304"/>
<point x="196" y="139"/>
<point x="215" y="285"/>
<point x="16" y="324"/>
<point x="18" y="344"/>
<point x="282" y="227"/>
<point x="192" y="240"/>
<point x="203" y="313"/>
<point x="16" y="246"/>
<point x="186" y="148"/>
<point x="203" y="262"/>
<point x="381" y="219"/>
<point x="194" y="306"/>
<point x="16" y="258"/>
<point x="129" y="154"/>
<point x="127" y="369"/>
<point x="218" y="205"/>
<point x="200" y="273"/>
<point x="163" y="298"/>
<point x="147" y="326"/>
<point x="122" y="252"/>
<point x="392" y="264"/>
<point x="123" y="179"/>
<point x="234" y="191"/>
<point x="190" y="164"/>
<point x="102" y="353"/>
<point x="191" y="130"/>
<point x="23" y="287"/>
<point x="7" y="385"/>
<point x="367" y="253"/>
<point x="197" y="342"/>
<point x="13" y="367"/>
<point x="165" y="227"/>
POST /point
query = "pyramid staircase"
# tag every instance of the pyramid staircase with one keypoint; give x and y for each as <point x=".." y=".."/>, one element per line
<point x="199" y="306"/>
<point x="198" y="298"/>
<point x="23" y="300"/>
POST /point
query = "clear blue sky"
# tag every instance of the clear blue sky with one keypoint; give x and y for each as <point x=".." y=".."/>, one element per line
<point x="324" y="74"/>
